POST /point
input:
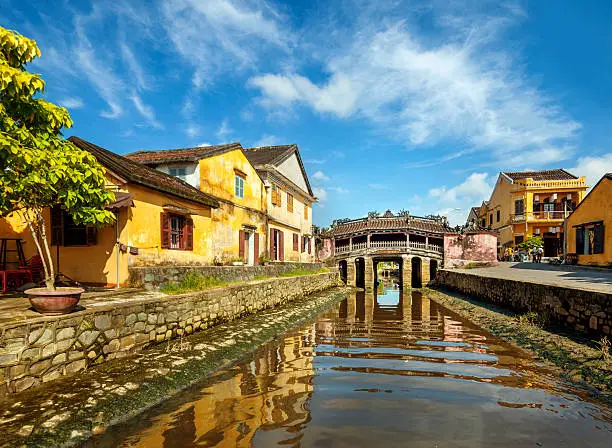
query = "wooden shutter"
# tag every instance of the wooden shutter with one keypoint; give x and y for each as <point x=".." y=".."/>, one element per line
<point x="598" y="243"/>
<point x="272" y="245"/>
<point x="188" y="234"/>
<point x="281" y="244"/>
<point x="241" y="244"/>
<point x="580" y="240"/>
<point x="92" y="236"/>
<point x="309" y="245"/>
<point x="165" y="230"/>
<point x="302" y="245"/>
<point x="57" y="226"/>
<point x="296" y="242"/>
<point x="256" y="249"/>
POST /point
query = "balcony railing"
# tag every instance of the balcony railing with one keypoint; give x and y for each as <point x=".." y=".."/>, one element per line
<point x="530" y="184"/>
<point x="539" y="216"/>
<point x="390" y="245"/>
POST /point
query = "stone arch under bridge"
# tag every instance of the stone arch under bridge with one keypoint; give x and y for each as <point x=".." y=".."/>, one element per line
<point x="416" y="244"/>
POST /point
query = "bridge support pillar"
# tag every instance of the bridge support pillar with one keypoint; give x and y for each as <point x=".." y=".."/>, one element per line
<point x="350" y="272"/>
<point x="369" y="274"/>
<point x="425" y="276"/>
<point x="406" y="272"/>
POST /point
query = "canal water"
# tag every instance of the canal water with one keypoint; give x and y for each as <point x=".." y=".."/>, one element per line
<point x="386" y="369"/>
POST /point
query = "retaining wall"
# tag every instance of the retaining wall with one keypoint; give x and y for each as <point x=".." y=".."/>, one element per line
<point x="47" y="348"/>
<point x="585" y="311"/>
<point x="152" y="277"/>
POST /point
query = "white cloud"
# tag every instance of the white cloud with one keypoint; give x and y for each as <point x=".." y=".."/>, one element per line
<point x="593" y="167"/>
<point x="224" y="130"/>
<point x="338" y="155"/>
<point x="136" y="70"/>
<point x="378" y="186"/>
<point x="472" y="191"/>
<point x="320" y="193"/>
<point x="315" y="161"/>
<point x="339" y="190"/>
<point x="72" y="103"/>
<point x="461" y="86"/>
<point x="204" y="144"/>
<point x="267" y="140"/>
<point x="192" y="130"/>
<point x="146" y="111"/>
<point x="320" y="175"/>
<point x="219" y="35"/>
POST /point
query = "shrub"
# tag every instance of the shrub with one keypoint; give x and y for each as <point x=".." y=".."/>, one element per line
<point x="192" y="281"/>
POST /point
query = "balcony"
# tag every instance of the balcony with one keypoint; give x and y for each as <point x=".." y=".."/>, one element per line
<point x="530" y="184"/>
<point x="539" y="216"/>
<point x="390" y="245"/>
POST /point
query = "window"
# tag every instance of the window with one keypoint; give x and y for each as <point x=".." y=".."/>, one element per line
<point x="304" y="243"/>
<point x="176" y="232"/>
<point x="289" y="203"/>
<point x="590" y="239"/>
<point x="549" y="206"/>
<point x="178" y="171"/>
<point x="498" y="216"/>
<point x="239" y="186"/>
<point x="276" y="195"/>
<point x="483" y="223"/>
<point x="491" y="219"/>
<point x="305" y="211"/>
<point x="296" y="242"/>
<point x="64" y="231"/>
<point x="519" y="207"/>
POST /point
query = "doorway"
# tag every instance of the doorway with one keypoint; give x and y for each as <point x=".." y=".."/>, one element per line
<point x="433" y="270"/>
<point x="360" y="273"/>
<point x="551" y="245"/>
<point x="343" y="267"/>
<point x="417" y="281"/>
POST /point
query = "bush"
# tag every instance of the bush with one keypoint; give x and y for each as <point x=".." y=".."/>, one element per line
<point x="192" y="281"/>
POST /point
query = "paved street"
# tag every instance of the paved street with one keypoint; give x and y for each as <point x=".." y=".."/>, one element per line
<point x="566" y="276"/>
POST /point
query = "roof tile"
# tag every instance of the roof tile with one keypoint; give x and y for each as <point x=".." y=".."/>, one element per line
<point x="559" y="174"/>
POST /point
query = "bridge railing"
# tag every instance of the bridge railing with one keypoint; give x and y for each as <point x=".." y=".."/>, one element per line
<point x="390" y="245"/>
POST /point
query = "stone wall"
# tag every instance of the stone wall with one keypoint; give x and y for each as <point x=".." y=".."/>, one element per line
<point x="152" y="277"/>
<point x="476" y="248"/>
<point x="581" y="310"/>
<point x="46" y="348"/>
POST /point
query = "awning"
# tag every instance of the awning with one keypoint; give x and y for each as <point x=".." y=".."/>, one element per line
<point x="121" y="200"/>
<point x="176" y="209"/>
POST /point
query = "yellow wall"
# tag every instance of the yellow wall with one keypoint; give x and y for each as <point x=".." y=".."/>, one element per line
<point x="595" y="207"/>
<point x="217" y="178"/>
<point x="139" y="227"/>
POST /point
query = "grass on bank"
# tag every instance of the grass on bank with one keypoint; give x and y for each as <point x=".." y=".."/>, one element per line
<point x="194" y="281"/>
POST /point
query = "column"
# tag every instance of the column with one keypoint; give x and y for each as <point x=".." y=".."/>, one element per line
<point x="350" y="272"/>
<point x="426" y="241"/>
<point x="425" y="271"/>
<point x="368" y="244"/>
<point x="406" y="272"/>
<point x="407" y="241"/>
<point x="351" y="244"/>
<point x="369" y="274"/>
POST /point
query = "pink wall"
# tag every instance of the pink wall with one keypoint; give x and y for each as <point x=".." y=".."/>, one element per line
<point x="477" y="248"/>
<point x="326" y="251"/>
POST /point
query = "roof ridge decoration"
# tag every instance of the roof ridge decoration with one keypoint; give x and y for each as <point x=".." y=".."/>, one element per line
<point x="537" y="175"/>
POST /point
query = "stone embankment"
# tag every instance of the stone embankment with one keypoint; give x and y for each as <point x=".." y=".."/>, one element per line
<point x="47" y="348"/>
<point x="581" y="310"/>
<point x="153" y="277"/>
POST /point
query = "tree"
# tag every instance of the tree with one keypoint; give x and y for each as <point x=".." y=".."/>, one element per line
<point x="531" y="242"/>
<point x="39" y="169"/>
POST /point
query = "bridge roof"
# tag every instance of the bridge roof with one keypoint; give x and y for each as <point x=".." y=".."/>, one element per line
<point x="397" y="223"/>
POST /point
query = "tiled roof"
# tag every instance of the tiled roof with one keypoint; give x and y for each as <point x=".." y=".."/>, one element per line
<point x="267" y="155"/>
<point x="140" y="174"/>
<point x="155" y="157"/>
<point x="397" y="223"/>
<point x="559" y="174"/>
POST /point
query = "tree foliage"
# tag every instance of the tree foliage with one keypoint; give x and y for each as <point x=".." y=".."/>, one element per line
<point x="531" y="242"/>
<point x="38" y="167"/>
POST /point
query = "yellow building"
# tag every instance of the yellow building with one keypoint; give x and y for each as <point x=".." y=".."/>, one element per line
<point x="532" y="203"/>
<point x="586" y="235"/>
<point x="240" y="224"/>
<point x="289" y="201"/>
<point x="160" y="220"/>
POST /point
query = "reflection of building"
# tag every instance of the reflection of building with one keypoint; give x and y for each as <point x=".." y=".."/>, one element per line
<point x="532" y="203"/>
<point x="243" y="403"/>
<point x="586" y="234"/>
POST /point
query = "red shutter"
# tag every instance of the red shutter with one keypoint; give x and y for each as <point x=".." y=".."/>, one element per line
<point x="165" y="230"/>
<point x="241" y="244"/>
<point x="188" y="234"/>
<point x="302" y="247"/>
<point x="281" y="244"/>
<point x="309" y="245"/>
<point x="256" y="249"/>
<point x="296" y="242"/>
<point x="272" y="257"/>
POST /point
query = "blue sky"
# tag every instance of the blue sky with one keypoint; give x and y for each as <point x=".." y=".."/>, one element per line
<point x="400" y="105"/>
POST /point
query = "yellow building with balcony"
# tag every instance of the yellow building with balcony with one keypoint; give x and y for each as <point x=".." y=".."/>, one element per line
<point x="532" y="203"/>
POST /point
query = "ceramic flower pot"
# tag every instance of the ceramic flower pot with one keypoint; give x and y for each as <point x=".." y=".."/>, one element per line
<point x="62" y="300"/>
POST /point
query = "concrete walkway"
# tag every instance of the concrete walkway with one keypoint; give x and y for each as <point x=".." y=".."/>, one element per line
<point x="565" y="276"/>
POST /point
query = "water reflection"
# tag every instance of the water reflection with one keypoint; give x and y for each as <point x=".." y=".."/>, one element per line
<point x="390" y="367"/>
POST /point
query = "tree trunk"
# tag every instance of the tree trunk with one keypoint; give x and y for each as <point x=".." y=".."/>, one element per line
<point x="37" y="235"/>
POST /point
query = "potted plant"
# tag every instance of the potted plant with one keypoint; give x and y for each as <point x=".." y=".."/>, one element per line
<point x="237" y="261"/>
<point x="39" y="169"/>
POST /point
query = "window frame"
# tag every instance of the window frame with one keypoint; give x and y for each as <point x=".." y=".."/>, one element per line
<point x="239" y="186"/>
<point x="62" y="224"/>
<point x="289" y="202"/>
<point x="183" y="231"/>
<point x="275" y="193"/>
<point x="176" y="174"/>
<point x="306" y="211"/>
<point x="522" y="208"/>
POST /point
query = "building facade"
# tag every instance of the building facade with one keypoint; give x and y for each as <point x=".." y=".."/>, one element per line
<point x="160" y="220"/>
<point x="240" y="223"/>
<point x="532" y="203"/>
<point x="289" y="202"/>
<point x="589" y="227"/>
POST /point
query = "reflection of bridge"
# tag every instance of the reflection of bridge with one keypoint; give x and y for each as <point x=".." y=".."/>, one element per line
<point x="416" y="244"/>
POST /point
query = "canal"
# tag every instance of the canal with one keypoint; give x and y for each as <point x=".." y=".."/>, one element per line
<point x="391" y="368"/>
